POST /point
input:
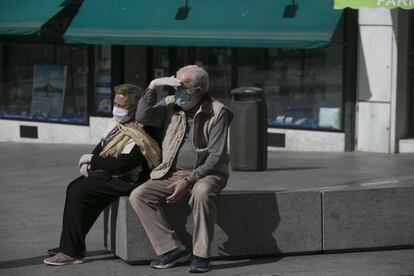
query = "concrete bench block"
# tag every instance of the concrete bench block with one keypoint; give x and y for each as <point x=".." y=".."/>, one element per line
<point x="124" y="234"/>
<point x="267" y="223"/>
<point x="365" y="219"/>
<point x="248" y="224"/>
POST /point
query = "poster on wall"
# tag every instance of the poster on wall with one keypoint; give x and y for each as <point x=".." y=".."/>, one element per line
<point x="103" y="80"/>
<point x="48" y="94"/>
<point x="103" y="92"/>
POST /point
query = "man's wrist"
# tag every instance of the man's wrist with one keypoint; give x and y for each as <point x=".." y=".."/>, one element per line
<point x="189" y="182"/>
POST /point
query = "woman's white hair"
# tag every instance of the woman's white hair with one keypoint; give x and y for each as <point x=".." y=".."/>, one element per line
<point x="196" y="75"/>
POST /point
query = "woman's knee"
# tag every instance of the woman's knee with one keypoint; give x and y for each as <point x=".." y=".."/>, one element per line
<point x="76" y="187"/>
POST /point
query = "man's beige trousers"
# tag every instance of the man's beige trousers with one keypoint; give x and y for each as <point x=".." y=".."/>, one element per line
<point x="148" y="201"/>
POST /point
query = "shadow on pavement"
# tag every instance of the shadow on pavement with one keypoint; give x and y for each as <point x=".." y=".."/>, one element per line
<point x="39" y="259"/>
<point x="104" y="258"/>
<point x="97" y="253"/>
<point x="22" y="262"/>
<point x="249" y="262"/>
<point x="294" y="169"/>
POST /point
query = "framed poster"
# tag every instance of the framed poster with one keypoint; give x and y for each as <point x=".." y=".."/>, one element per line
<point x="103" y="92"/>
<point x="48" y="94"/>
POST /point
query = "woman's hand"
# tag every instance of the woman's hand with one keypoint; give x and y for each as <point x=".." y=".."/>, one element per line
<point x="84" y="170"/>
<point x="85" y="159"/>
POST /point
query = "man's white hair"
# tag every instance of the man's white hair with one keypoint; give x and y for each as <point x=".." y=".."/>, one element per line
<point x="196" y="75"/>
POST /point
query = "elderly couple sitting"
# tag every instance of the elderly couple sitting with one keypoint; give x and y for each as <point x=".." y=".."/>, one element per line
<point x="191" y="128"/>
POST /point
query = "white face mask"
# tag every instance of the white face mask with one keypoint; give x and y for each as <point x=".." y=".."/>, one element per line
<point x="120" y="114"/>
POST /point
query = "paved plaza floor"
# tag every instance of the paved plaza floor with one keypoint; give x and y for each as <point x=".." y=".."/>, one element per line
<point x="34" y="179"/>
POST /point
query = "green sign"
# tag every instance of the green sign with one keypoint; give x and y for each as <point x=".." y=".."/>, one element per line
<point x="389" y="4"/>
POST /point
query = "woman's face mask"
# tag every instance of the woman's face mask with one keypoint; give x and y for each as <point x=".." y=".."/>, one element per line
<point x="120" y="115"/>
<point x="186" y="100"/>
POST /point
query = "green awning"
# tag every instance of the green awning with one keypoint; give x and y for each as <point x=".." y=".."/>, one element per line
<point x="221" y="23"/>
<point x="389" y="4"/>
<point x="26" y="17"/>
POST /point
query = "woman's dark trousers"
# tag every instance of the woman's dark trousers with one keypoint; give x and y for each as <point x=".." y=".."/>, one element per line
<point x="86" y="198"/>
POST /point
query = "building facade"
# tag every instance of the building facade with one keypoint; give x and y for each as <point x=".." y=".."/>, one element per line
<point x="351" y="93"/>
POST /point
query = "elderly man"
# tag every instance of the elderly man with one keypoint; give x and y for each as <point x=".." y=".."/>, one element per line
<point x="194" y="160"/>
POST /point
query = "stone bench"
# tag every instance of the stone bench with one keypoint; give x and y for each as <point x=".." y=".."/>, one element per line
<point x="369" y="218"/>
<point x="248" y="224"/>
<point x="279" y="223"/>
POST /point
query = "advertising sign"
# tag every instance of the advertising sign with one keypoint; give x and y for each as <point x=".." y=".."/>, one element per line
<point x="389" y="4"/>
<point x="48" y="92"/>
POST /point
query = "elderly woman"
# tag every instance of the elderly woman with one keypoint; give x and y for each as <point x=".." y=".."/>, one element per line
<point x="118" y="164"/>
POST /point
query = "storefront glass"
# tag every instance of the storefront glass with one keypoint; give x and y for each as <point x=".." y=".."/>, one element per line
<point x="161" y="68"/>
<point x="103" y="82"/>
<point x="135" y="65"/>
<point x="44" y="83"/>
<point x="217" y="62"/>
<point x="303" y="88"/>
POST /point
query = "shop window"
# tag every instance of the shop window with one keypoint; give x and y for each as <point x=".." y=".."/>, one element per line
<point x="161" y="68"/>
<point x="44" y="83"/>
<point x="217" y="62"/>
<point x="160" y="62"/>
<point x="135" y="65"/>
<point x="303" y="88"/>
<point x="103" y="80"/>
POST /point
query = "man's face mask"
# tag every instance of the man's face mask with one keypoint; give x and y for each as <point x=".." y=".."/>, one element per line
<point x="185" y="100"/>
<point x="120" y="114"/>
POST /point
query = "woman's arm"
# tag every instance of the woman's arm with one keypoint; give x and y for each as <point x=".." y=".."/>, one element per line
<point x="118" y="165"/>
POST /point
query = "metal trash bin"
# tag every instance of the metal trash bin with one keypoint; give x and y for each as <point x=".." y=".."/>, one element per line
<point x="248" y="130"/>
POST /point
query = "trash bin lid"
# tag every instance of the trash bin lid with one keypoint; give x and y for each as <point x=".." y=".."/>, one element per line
<point x="246" y="90"/>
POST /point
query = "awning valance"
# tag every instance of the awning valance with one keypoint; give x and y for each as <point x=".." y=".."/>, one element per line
<point x="389" y="4"/>
<point x="222" y="23"/>
<point x="26" y="17"/>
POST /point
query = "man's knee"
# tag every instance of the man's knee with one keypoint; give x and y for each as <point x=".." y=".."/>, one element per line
<point x="201" y="192"/>
<point x="138" y="195"/>
<point x="133" y="197"/>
